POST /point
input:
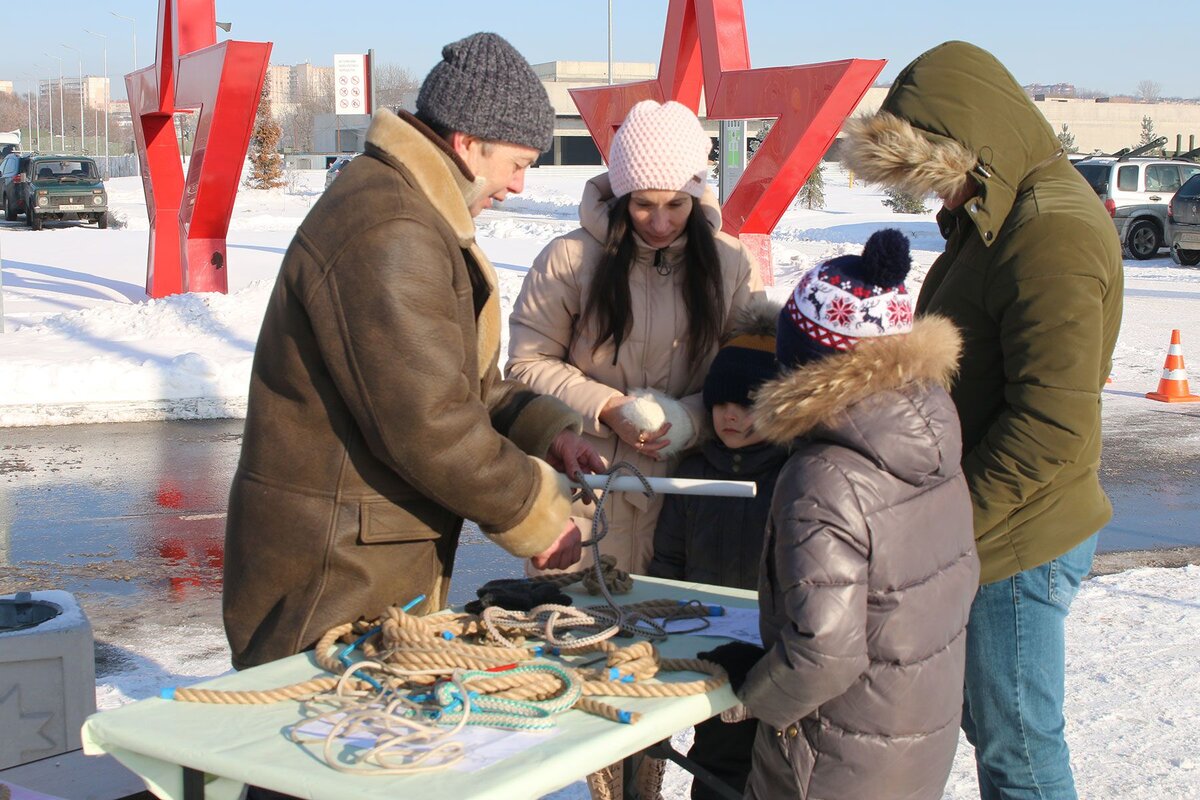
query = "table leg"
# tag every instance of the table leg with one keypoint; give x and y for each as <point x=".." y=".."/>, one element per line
<point x="193" y="784"/>
<point x="664" y="750"/>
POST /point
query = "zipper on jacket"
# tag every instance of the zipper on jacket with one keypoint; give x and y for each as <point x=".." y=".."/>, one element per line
<point x="659" y="266"/>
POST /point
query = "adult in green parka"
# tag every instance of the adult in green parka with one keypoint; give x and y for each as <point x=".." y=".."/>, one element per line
<point x="1032" y="277"/>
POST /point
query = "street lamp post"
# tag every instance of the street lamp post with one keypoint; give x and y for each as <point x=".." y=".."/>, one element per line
<point x="29" y="109"/>
<point x="35" y="115"/>
<point x="101" y="36"/>
<point x="50" y="104"/>
<point x="610" y="58"/>
<point x="82" y="131"/>
<point x="133" y="22"/>
<point x="62" y="122"/>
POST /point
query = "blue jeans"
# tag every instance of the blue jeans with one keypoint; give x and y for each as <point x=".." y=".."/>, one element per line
<point x="1013" y="697"/>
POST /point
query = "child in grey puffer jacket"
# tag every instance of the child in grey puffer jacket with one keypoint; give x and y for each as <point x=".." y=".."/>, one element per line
<point x="869" y="560"/>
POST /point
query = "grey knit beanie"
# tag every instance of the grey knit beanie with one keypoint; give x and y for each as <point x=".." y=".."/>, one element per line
<point x="484" y="87"/>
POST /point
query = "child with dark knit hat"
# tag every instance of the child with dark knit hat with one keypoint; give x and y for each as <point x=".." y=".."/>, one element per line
<point x="869" y="564"/>
<point x="719" y="540"/>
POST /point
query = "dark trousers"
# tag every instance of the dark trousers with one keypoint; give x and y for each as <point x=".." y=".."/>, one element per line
<point x="723" y="748"/>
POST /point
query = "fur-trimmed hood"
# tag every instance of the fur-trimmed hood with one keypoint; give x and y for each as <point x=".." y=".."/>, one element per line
<point x="837" y="396"/>
<point x="953" y="116"/>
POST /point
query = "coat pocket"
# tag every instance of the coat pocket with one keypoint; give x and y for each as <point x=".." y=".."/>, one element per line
<point x="413" y="520"/>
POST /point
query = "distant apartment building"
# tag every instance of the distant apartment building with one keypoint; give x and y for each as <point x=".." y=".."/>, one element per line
<point x="95" y="90"/>
<point x="6" y="87"/>
<point x="121" y="118"/>
<point x="293" y="85"/>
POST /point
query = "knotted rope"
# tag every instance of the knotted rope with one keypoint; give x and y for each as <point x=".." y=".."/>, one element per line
<point x="420" y="674"/>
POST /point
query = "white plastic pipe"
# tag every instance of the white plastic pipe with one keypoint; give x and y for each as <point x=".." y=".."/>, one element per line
<point x="629" y="483"/>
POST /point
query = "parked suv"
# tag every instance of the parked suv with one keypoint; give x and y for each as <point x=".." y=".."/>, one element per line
<point x="1136" y="192"/>
<point x="1183" y="223"/>
<point x="12" y="173"/>
<point x="56" y="187"/>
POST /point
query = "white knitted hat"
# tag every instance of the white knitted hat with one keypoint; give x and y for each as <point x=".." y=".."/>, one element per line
<point x="659" y="147"/>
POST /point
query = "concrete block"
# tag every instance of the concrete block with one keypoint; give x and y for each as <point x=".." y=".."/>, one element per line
<point x="47" y="675"/>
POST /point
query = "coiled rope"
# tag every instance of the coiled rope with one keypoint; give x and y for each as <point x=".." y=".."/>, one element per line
<point x="419" y="675"/>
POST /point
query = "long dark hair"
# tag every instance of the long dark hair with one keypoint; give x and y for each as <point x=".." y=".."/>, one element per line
<point x="609" y="304"/>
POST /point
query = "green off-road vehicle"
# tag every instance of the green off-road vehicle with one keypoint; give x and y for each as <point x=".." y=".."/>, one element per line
<point x="59" y="187"/>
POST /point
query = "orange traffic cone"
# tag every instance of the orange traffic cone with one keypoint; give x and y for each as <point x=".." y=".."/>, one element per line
<point x="1173" y="388"/>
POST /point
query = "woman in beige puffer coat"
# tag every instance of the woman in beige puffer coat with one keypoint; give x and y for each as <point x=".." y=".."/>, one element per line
<point x="649" y="250"/>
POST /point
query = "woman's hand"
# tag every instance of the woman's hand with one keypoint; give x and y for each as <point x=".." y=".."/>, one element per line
<point x="647" y="443"/>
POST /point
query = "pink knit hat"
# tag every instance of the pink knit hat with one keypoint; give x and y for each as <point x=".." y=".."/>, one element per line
<point x="659" y="147"/>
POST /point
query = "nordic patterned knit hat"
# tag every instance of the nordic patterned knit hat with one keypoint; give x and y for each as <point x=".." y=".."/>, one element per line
<point x="659" y="146"/>
<point x="484" y="87"/>
<point x="846" y="299"/>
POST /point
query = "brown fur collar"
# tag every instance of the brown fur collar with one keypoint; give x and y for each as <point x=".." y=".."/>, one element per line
<point x="798" y="401"/>
<point x="888" y="150"/>
<point x="438" y="171"/>
<point x="447" y="182"/>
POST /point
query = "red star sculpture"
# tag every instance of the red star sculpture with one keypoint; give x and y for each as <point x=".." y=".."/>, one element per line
<point x="705" y="47"/>
<point x="189" y="215"/>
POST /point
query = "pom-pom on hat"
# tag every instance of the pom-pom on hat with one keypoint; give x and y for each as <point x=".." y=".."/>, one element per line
<point x="846" y="299"/>
<point x="659" y="146"/>
<point x="484" y="87"/>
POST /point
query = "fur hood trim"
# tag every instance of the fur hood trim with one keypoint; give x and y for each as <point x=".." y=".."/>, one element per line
<point x="887" y="150"/>
<point x="798" y="401"/>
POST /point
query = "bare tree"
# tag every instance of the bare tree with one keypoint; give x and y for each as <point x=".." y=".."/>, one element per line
<point x="394" y="86"/>
<point x="298" y="121"/>
<point x="14" y="111"/>
<point x="1148" y="91"/>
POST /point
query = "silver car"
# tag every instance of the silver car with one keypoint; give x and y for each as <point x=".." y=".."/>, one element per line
<point x="335" y="168"/>
<point x="1136" y="192"/>
<point x="1183" y="222"/>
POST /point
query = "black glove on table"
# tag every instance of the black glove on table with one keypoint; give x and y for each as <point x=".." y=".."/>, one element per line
<point x="738" y="658"/>
<point x="516" y="595"/>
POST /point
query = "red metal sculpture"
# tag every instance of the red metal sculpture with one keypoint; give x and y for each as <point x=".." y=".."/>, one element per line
<point x="189" y="218"/>
<point x="705" y="47"/>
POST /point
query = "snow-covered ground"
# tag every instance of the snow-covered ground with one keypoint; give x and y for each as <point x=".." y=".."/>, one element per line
<point x="82" y="343"/>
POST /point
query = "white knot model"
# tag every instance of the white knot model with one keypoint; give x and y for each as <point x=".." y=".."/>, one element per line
<point x="651" y="408"/>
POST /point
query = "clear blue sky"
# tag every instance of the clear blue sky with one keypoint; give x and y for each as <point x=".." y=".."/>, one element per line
<point x="1043" y="42"/>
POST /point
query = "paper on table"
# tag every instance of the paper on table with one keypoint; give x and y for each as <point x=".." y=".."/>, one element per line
<point x="482" y="746"/>
<point x="736" y="623"/>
